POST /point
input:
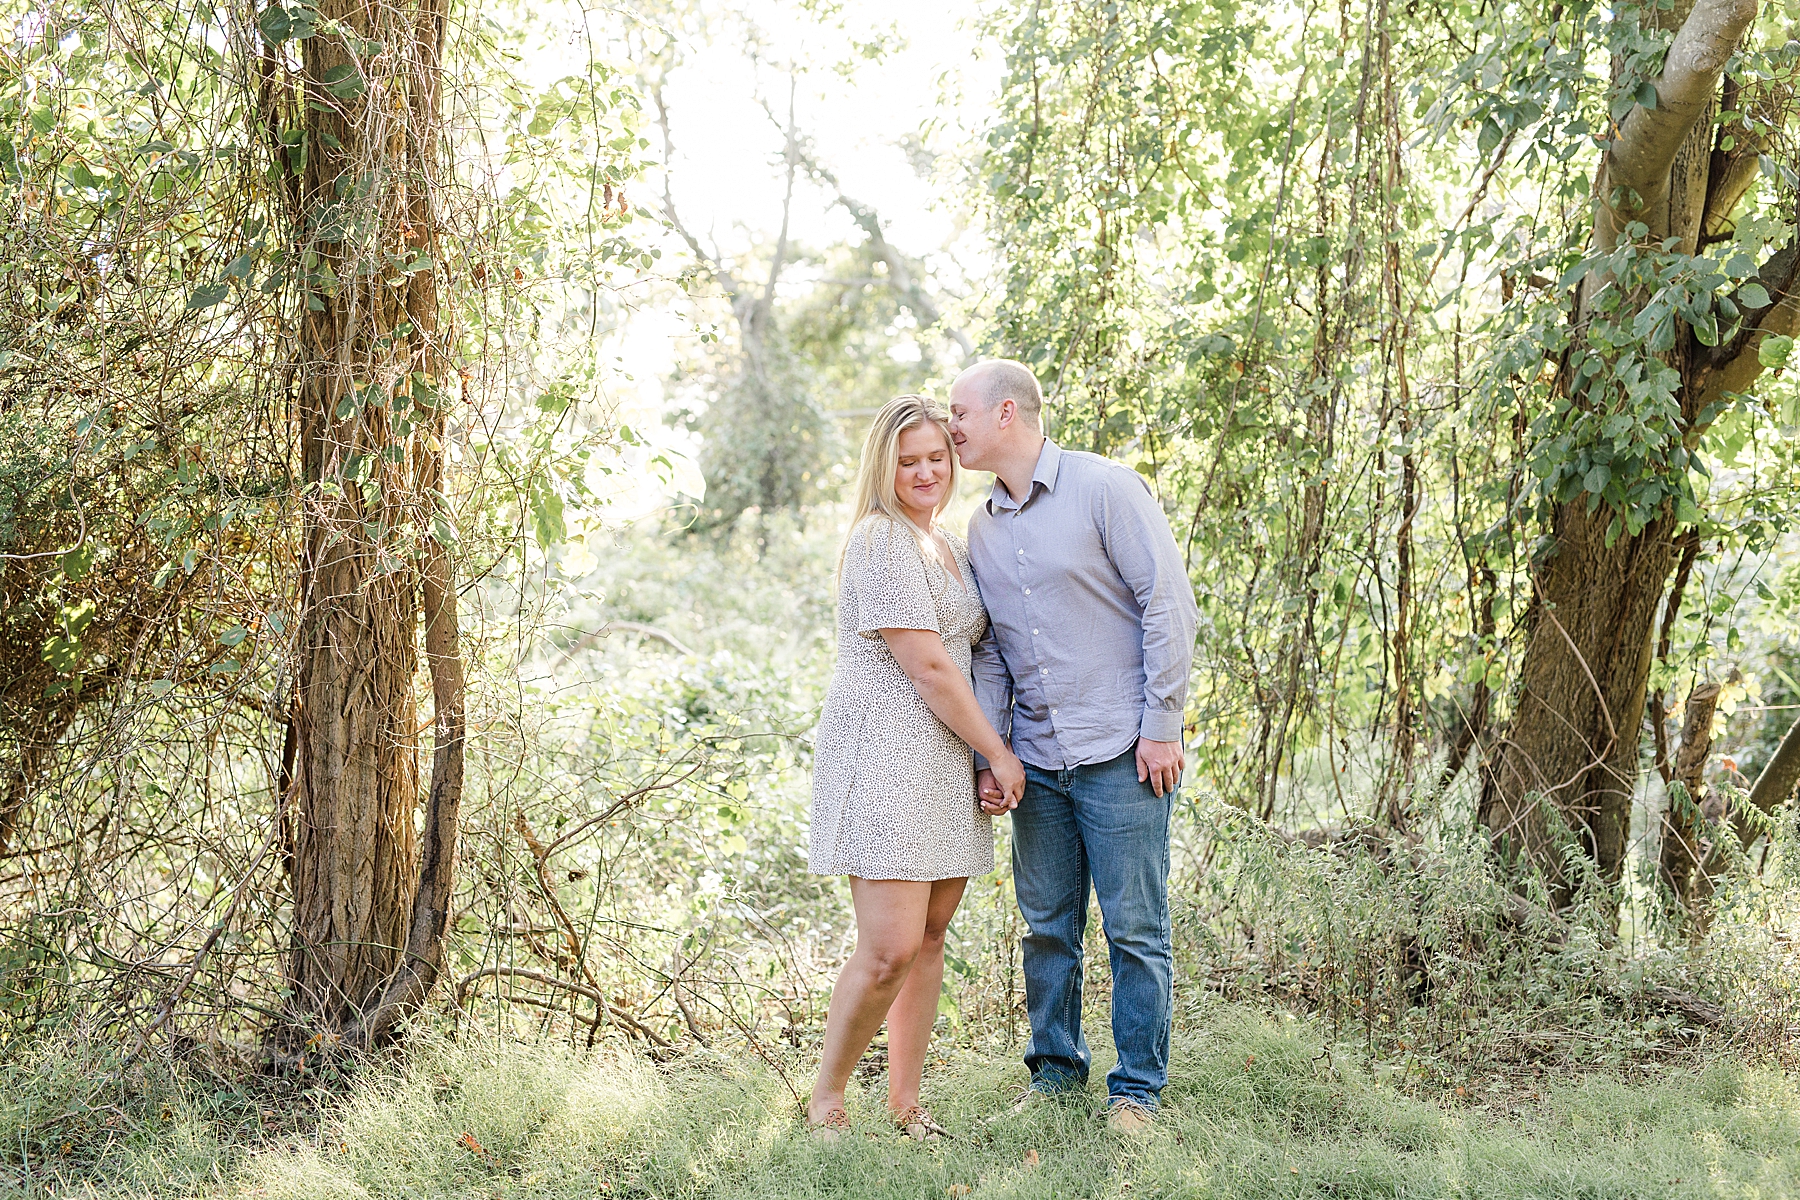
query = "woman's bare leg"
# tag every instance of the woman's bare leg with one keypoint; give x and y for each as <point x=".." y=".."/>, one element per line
<point x="891" y="917"/>
<point x="914" y="1011"/>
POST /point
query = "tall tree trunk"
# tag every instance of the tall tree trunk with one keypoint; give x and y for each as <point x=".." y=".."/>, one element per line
<point x="1572" y="754"/>
<point x="370" y="895"/>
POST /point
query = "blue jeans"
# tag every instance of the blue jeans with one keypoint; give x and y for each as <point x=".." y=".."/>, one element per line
<point x="1095" y="824"/>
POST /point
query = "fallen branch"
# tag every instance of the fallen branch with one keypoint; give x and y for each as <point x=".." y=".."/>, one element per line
<point x="567" y="985"/>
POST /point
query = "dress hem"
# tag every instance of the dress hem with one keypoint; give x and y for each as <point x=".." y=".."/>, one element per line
<point x="903" y="878"/>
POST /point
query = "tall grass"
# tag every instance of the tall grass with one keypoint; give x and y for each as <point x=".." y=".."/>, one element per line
<point x="1256" y="1107"/>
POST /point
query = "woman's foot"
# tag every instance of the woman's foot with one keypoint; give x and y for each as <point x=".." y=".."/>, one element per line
<point x="917" y="1124"/>
<point x="827" y="1121"/>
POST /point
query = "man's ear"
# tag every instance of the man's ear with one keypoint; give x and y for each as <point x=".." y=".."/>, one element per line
<point x="1008" y="410"/>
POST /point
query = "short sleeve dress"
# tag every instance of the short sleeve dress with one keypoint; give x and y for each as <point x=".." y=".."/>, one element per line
<point x="893" y="787"/>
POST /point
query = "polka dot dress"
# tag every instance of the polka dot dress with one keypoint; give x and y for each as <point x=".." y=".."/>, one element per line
<point x="893" y="788"/>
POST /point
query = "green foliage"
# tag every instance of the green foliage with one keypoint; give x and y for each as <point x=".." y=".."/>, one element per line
<point x="1313" y="275"/>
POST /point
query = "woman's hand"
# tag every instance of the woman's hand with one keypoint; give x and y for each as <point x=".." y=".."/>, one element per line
<point x="1001" y="784"/>
<point x="945" y="690"/>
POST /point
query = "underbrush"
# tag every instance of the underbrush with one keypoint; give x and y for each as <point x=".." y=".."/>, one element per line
<point x="1258" y="1106"/>
<point x="1429" y="955"/>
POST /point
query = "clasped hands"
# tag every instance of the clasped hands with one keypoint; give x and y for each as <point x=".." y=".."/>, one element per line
<point x="1000" y="786"/>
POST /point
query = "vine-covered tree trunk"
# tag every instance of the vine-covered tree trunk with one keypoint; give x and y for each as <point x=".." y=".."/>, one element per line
<point x="370" y="893"/>
<point x="1573" y="748"/>
<point x="1669" y="171"/>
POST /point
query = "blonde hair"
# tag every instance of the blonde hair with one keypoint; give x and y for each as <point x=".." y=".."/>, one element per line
<point x="881" y="461"/>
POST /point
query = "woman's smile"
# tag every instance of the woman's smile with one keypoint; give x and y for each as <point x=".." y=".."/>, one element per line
<point x="922" y="474"/>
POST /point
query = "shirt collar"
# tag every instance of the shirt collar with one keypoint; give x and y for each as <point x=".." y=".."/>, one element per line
<point x="1049" y="460"/>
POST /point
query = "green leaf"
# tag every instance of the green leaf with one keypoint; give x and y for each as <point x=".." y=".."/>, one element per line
<point x="160" y="687"/>
<point x="1772" y="352"/>
<point x="275" y="24"/>
<point x="547" y="516"/>
<point x="1597" y="478"/>
<point x="1686" y="511"/>
<point x="62" y="654"/>
<point x="207" y="295"/>
<point x="1489" y="137"/>
<point x="344" y="81"/>
<point x="76" y="562"/>
<point x="233" y="636"/>
<point x="1646" y="95"/>
<point x="1753" y="295"/>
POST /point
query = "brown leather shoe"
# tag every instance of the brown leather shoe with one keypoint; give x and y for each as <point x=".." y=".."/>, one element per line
<point x="1127" y="1116"/>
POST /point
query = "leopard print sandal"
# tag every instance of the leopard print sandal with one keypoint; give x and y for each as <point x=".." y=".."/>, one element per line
<point x="832" y="1126"/>
<point x="917" y="1124"/>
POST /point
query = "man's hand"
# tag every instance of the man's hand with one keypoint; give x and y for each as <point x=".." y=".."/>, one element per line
<point x="1160" y="763"/>
<point x="992" y="796"/>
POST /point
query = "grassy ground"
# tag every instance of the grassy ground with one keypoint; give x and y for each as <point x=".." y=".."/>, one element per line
<point x="1253" y="1110"/>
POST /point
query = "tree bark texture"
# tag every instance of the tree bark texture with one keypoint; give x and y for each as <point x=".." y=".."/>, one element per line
<point x="1686" y="832"/>
<point x="1573" y="748"/>
<point x="370" y="890"/>
<point x="1571" y="758"/>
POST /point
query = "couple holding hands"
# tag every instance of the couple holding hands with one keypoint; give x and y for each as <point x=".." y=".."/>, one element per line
<point x="1041" y="669"/>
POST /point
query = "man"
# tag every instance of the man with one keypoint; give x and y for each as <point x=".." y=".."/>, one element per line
<point x="1085" y="670"/>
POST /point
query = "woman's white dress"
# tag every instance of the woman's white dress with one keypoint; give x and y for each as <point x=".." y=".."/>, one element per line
<point x="893" y="788"/>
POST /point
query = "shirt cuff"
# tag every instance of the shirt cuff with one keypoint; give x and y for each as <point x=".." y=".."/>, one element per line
<point x="1160" y="726"/>
<point x="981" y="762"/>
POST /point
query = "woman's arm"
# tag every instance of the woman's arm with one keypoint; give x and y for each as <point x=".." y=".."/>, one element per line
<point x="945" y="690"/>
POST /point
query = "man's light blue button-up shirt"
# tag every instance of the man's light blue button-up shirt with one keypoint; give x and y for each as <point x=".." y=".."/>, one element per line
<point x="1091" y="616"/>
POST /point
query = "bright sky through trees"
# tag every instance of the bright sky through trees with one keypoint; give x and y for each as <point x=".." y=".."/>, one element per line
<point x="923" y="84"/>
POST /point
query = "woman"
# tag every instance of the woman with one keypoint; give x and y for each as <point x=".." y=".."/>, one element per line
<point x="894" y="803"/>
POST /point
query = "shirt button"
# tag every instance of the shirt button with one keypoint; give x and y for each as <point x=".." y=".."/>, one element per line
<point x="1021" y="552"/>
<point x="1028" y="591"/>
<point x="1043" y="670"/>
<point x="1034" y="633"/>
<point x="1053" y="712"/>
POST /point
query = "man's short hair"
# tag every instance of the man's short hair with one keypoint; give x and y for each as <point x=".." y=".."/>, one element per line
<point x="995" y="379"/>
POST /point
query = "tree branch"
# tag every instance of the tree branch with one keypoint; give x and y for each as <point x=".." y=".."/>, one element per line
<point x="567" y="985"/>
<point x="1733" y="366"/>
<point x="1775" y="783"/>
<point x="900" y="276"/>
<point x="1637" y="164"/>
<point x="906" y="286"/>
<point x="1730" y="173"/>
<point x="713" y="262"/>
